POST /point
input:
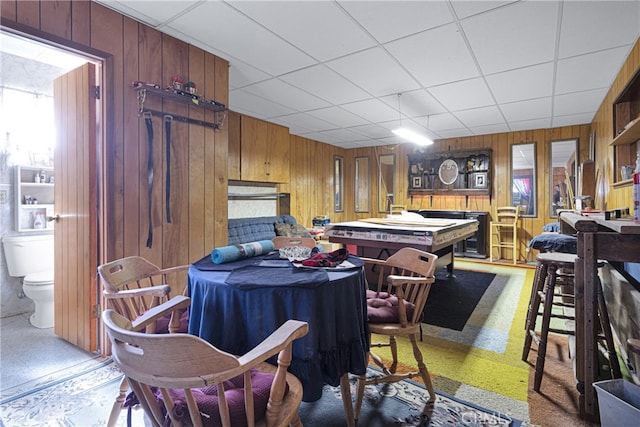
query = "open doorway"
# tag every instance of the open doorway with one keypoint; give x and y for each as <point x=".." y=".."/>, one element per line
<point x="27" y="139"/>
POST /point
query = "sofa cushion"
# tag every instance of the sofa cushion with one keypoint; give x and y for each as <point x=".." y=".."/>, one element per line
<point x="246" y="230"/>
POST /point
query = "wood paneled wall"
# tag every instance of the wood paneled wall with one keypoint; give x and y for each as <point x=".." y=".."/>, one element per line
<point x="133" y="51"/>
<point x="501" y="184"/>
<point x="611" y="197"/>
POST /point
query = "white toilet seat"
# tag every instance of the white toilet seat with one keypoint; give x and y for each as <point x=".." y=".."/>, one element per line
<point x="39" y="288"/>
<point x="39" y="278"/>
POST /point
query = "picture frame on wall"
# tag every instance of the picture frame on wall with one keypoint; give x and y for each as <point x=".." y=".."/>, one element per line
<point x="416" y="181"/>
<point x="480" y="180"/>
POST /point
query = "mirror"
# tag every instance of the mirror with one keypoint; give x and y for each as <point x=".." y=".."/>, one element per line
<point x="523" y="178"/>
<point x="562" y="175"/>
<point x="386" y="193"/>
<point x="338" y="184"/>
<point x="362" y="184"/>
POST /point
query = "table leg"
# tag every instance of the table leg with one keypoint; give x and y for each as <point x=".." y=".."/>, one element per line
<point x="345" y="389"/>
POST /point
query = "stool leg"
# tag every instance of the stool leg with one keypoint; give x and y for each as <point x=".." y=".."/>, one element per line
<point x="534" y="305"/>
<point x="603" y="314"/>
<point x="546" y="318"/>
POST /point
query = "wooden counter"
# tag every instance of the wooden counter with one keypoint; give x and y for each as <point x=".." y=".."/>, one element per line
<point x="616" y="240"/>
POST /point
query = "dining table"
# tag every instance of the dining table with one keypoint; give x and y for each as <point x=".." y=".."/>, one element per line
<point x="236" y="305"/>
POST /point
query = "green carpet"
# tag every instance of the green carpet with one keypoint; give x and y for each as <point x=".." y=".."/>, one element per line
<point x="485" y="355"/>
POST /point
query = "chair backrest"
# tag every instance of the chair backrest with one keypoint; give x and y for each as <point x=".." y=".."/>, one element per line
<point x="508" y="214"/>
<point x="165" y="369"/>
<point x="284" y="241"/>
<point x="397" y="209"/>
<point x="133" y="285"/>
<point x="408" y="273"/>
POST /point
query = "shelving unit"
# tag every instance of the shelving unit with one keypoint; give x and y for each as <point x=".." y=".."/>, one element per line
<point x="473" y="172"/>
<point x="626" y="128"/>
<point x="26" y="191"/>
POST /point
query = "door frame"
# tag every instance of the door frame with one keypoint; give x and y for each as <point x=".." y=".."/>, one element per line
<point x="104" y="63"/>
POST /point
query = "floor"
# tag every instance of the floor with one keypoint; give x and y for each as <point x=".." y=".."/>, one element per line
<point x="28" y="353"/>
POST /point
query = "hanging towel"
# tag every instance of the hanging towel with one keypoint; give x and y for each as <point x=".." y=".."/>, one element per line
<point x="226" y="254"/>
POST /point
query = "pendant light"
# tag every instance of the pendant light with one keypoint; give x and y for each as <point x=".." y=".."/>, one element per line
<point x="408" y="134"/>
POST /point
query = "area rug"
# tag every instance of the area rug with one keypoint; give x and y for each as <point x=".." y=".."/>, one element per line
<point x="452" y="300"/>
<point x="399" y="404"/>
<point x="482" y="362"/>
<point x="85" y="399"/>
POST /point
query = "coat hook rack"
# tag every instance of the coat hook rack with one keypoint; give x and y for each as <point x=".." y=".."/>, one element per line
<point x="144" y="89"/>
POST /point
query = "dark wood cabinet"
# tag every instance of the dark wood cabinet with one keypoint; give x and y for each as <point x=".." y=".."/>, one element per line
<point x="466" y="171"/>
<point x="472" y="247"/>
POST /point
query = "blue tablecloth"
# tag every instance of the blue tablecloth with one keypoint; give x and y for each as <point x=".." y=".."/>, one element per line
<point x="236" y="319"/>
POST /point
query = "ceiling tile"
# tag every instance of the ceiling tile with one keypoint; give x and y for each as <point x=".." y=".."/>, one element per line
<point x="513" y="36"/>
<point x="283" y="93"/>
<point x="523" y="83"/>
<point x="455" y="133"/>
<point x="484" y="130"/>
<point x="414" y="103"/>
<point x="372" y="110"/>
<point x="572" y="119"/>
<point x="309" y="122"/>
<point x="542" y="123"/>
<point x="241" y="74"/>
<point x="578" y="102"/>
<point x="241" y="99"/>
<point x="213" y="22"/>
<point x="388" y="77"/>
<point x="390" y="20"/>
<point x="372" y="131"/>
<point x="464" y="9"/>
<point x="338" y="117"/>
<point x="150" y="12"/>
<point x="591" y="71"/>
<point x="480" y="116"/>
<point x="441" y="122"/>
<point x="527" y="110"/>
<point x="463" y="95"/>
<point x="589" y="26"/>
<point x="436" y="56"/>
<point x="319" y="28"/>
<point x="326" y="84"/>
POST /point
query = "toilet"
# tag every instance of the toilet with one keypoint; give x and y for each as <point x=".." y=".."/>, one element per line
<point x="31" y="257"/>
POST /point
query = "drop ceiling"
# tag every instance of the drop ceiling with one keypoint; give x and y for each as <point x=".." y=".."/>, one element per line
<point x="332" y="71"/>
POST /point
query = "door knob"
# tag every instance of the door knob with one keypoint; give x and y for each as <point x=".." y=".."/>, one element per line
<point x="55" y="218"/>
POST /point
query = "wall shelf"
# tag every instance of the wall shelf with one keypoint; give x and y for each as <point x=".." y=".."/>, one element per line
<point x="630" y="135"/>
<point x="182" y="97"/>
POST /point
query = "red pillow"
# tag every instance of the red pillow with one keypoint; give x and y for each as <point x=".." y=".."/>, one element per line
<point x="383" y="308"/>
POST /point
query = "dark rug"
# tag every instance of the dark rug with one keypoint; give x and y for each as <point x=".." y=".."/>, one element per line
<point x="399" y="404"/>
<point x="452" y="299"/>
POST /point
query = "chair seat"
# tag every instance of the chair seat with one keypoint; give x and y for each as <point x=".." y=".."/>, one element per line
<point x="208" y="401"/>
<point x="383" y="308"/>
<point x="162" y="325"/>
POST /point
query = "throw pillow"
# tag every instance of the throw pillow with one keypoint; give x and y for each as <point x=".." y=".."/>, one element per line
<point x="291" y="230"/>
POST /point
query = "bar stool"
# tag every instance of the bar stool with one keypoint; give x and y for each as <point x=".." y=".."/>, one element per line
<point x="553" y="286"/>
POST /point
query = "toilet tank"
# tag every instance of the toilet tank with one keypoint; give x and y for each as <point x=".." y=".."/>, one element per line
<point x="28" y="254"/>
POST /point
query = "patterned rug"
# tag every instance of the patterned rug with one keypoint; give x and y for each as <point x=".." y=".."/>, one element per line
<point x="85" y="397"/>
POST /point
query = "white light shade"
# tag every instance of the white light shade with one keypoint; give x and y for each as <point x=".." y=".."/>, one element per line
<point x="412" y="136"/>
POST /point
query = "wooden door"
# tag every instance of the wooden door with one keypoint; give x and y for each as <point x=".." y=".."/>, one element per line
<point x="264" y="151"/>
<point x="75" y="232"/>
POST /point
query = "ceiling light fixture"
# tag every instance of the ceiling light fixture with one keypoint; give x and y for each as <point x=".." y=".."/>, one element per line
<point x="410" y="135"/>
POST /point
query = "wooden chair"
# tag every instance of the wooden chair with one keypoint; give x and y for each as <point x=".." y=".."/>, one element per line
<point x="503" y="232"/>
<point x="133" y="286"/>
<point x="397" y="209"/>
<point x="180" y="378"/>
<point x="395" y="309"/>
<point x="284" y="241"/>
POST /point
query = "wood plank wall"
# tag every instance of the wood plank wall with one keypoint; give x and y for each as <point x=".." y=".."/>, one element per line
<point x="199" y="163"/>
<point x="612" y="197"/>
<point x="134" y="51"/>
